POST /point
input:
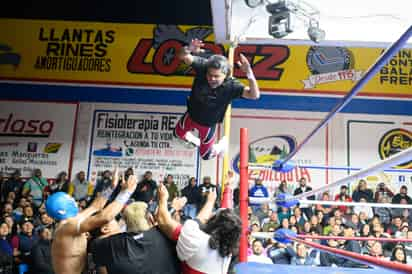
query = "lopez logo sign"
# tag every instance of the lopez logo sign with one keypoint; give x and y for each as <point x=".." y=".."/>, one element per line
<point x="330" y="64"/>
<point x="14" y="127"/>
<point x="159" y="55"/>
<point x="393" y="142"/>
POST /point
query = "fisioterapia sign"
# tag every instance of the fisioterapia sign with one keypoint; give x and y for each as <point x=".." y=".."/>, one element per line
<point x="146" y="55"/>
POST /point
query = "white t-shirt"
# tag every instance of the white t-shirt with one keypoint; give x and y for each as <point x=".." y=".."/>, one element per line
<point x="194" y="251"/>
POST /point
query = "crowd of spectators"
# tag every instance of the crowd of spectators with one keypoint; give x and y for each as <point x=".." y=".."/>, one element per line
<point x="26" y="231"/>
<point x="326" y="220"/>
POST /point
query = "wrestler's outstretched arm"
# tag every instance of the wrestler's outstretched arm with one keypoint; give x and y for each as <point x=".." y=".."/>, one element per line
<point x="164" y="218"/>
<point x="207" y="209"/>
<point x="252" y="91"/>
<point x="110" y="211"/>
<point x="186" y="53"/>
<point x="100" y="201"/>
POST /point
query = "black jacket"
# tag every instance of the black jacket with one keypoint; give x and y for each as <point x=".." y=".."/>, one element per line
<point x="145" y="191"/>
<point x="192" y="194"/>
<point x="41" y="255"/>
<point x="352" y="246"/>
<point x="358" y="194"/>
<point x="299" y="190"/>
<point x="398" y="197"/>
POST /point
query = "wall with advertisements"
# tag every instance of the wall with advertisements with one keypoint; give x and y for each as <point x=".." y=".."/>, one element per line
<point x="349" y="143"/>
<point x="132" y="89"/>
<point x="41" y="135"/>
<point x="350" y="140"/>
<point x="146" y="55"/>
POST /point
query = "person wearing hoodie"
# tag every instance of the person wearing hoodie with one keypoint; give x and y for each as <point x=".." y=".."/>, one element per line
<point x="362" y="191"/>
<point x="61" y="183"/>
<point x="403" y="194"/>
<point x="191" y="192"/>
<point x="258" y="195"/>
<point x="6" y="249"/>
<point x="41" y="253"/>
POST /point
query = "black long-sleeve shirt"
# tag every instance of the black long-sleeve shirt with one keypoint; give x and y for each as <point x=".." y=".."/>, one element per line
<point x="192" y="194"/>
<point x="41" y="255"/>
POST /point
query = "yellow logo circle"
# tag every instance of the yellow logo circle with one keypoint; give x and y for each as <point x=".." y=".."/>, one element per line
<point x="393" y="142"/>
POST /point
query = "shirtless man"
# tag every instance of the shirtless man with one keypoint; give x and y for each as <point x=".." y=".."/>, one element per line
<point x="70" y="240"/>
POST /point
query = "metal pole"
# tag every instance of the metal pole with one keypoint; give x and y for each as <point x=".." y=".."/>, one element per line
<point x="228" y="115"/>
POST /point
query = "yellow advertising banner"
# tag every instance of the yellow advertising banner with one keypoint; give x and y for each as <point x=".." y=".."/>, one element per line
<point x="145" y="55"/>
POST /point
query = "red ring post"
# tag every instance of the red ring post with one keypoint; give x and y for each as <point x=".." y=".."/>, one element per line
<point x="243" y="192"/>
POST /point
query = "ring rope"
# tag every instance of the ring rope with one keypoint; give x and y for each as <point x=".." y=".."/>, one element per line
<point x="370" y="72"/>
<point x="399" y="158"/>
<point x="254" y="166"/>
<point x="364" y="259"/>
<point x="269" y="235"/>
<point x="342" y="203"/>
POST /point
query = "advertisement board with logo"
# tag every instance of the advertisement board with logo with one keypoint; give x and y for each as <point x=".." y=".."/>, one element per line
<point x="146" y="55"/>
<point x="143" y="141"/>
<point x="36" y="135"/>
<point x="272" y="137"/>
<point x="374" y="140"/>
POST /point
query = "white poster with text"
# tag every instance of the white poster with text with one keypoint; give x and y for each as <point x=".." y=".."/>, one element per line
<point x="143" y="141"/>
<point x="36" y="135"/>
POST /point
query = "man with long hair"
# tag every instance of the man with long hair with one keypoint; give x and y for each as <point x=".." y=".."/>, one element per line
<point x="206" y="244"/>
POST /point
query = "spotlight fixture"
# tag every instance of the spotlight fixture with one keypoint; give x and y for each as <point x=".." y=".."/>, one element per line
<point x="315" y="33"/>
<point x="279" y="20"/>
<point x="253" y="3"/>
<point x="281" y="13"/>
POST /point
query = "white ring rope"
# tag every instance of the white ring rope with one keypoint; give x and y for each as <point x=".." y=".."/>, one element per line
<point x="342" y="203"/>
<point x="254" y="166"/>
<point x="270" y="235"/>
<point x="399" y="158"/>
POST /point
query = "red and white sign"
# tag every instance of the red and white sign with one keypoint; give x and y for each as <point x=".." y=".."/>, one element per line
<point x="36" y="135"/>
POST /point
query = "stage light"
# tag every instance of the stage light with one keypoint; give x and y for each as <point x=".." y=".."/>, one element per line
<point x="253" y="3"/>
<point x="279" y="20"/>
<point x="315" y="33"/>
<point x="284" y="11"/>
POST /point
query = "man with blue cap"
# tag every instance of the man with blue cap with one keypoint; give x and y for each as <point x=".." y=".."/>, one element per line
<point x="69" y="247"/>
